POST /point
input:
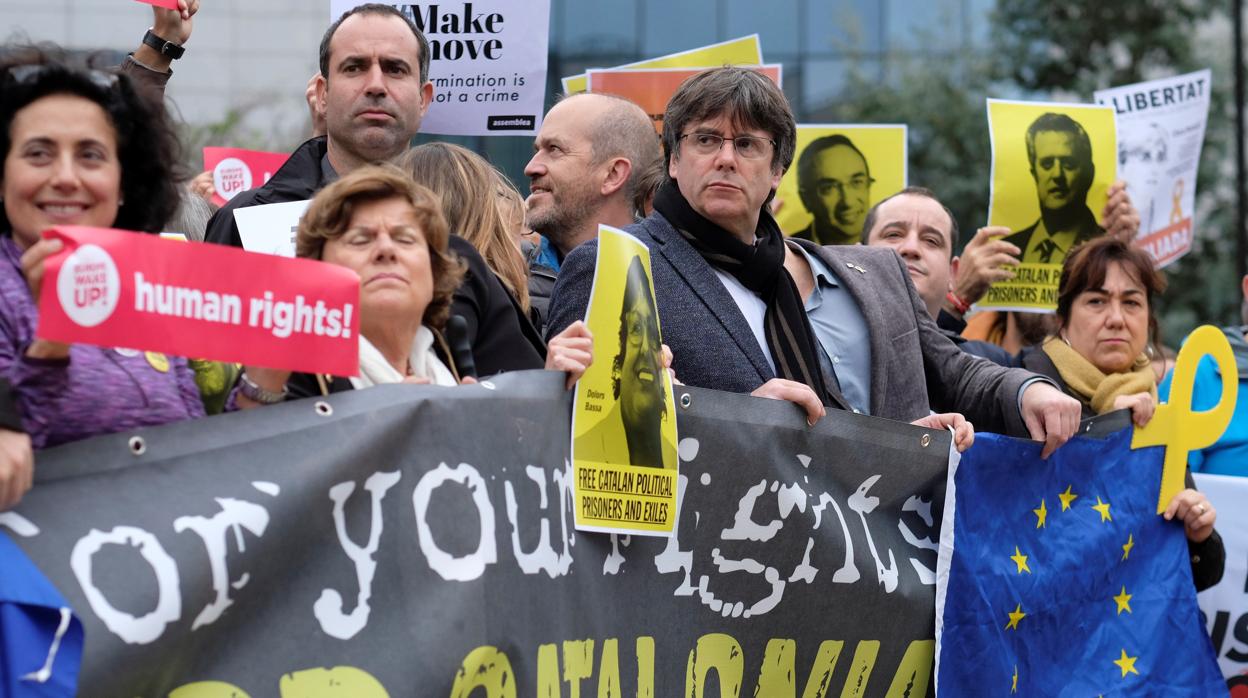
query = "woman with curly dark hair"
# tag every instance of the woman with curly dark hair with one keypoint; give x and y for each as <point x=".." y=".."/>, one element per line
<point x="80" y="147"/>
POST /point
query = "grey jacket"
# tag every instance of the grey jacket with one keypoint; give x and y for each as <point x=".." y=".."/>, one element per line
<point x="913" y="364"/>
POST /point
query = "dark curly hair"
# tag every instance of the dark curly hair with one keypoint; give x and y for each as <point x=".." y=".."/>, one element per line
<point x="147" y="143"/>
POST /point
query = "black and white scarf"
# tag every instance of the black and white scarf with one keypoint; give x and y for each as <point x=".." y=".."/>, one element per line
<point x="760" y="268"/>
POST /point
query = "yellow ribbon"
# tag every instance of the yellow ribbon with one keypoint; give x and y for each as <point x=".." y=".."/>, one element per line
<point x="1175" y="425"/>
<point x="1176" y="210"/>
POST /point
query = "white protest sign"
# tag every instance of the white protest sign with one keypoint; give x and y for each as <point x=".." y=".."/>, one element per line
<point x="1161" y="128"/>
<point x="270" y="228"/>
<point x="1225" y="605"/>
<point x="487" y="63"/>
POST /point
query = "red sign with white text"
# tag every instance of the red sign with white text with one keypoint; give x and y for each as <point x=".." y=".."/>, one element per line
<point x="167" y="4"/>
<point x="235" y="170"/>
<point x="115" y="288"/>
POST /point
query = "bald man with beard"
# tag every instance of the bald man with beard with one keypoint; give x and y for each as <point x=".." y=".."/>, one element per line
<point x="588" y="159"/>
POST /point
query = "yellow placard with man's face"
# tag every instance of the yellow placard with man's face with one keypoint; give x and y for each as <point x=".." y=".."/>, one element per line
<point x="623" y="415"/>
<point x="1052" y="165"/>
<point x="838" y="173"/>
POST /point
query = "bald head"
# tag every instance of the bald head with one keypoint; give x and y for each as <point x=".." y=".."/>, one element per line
<point x="619" y="128"/>
<point x="590" y="154"/>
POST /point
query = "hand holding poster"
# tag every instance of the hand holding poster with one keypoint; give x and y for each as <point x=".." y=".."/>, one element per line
<point x="235" y="170"/>
<point x="652" y="88"/>
<point x="1161" y="128"/>
<point x="487" y="63"/>
<point x="623" y="416"/>
<point x="1051" y="167"/>
<point x="840" y="172"/>
<point x="117" y="288"/>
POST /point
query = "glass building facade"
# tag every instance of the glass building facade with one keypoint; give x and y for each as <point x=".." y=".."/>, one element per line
<point x="819" y="42"/>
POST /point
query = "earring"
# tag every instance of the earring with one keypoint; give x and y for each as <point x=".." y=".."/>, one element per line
<point x="1065" y="339"/>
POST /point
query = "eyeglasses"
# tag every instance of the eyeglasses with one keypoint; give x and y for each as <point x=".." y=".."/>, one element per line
<point x="26" y="75"/>
<point x="639" y="329"/>
<point x="749" y="147"/>
<point x="856" y="185"/>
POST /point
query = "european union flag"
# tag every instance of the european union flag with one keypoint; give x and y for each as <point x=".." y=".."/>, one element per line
<point x="1057" y="577"/>
<point x="40" y="640"/>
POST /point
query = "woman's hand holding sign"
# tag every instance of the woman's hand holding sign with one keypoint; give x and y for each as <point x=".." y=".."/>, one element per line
<point x="33" y="263"/>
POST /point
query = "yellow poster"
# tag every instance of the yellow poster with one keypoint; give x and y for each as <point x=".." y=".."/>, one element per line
<point x="623" y="415"/>
<point x="743" y="51"/>
<point x="1051" y="167"/>
<point x="840" y="171"/>
<point x="652" y="88"/>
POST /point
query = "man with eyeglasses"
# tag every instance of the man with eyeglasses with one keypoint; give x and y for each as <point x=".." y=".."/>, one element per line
<point x="736" y="318"/>
<point x="834" y="184"/>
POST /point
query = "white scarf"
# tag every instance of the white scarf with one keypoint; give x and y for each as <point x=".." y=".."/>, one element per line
<point x="375" y="370"/>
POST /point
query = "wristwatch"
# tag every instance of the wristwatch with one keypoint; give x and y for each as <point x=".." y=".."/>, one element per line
<point x="168" y="49"/>
<point x="252" y="391"/>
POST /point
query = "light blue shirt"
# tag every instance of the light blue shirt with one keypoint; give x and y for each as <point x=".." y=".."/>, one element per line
<point x="842" y="332"/>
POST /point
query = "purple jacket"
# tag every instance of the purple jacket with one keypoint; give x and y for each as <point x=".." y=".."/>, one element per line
<point x="95" y="391"/>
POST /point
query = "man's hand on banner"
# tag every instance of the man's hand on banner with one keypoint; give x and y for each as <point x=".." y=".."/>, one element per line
<point x="1142" y="406"/>
<point x="1195" y="511"/>
<point x="1119" y="218"/>
<point x="963" y="431"/>
<point x="1051" y="416"/>
<point x="571" y="351"/>
<point x="17" y="467"/>
<point x="797" y="393"/>
<point x="984" y="261"/>
<point x="33" y="264"/>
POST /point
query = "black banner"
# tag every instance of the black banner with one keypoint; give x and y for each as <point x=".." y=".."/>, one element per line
<point x="415" y="540"/>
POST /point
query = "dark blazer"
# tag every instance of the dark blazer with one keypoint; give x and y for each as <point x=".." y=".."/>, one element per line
<point x="913" y="364"/>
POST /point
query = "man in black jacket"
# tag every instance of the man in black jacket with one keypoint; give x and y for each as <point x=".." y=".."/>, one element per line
<point x="374" y="90"/>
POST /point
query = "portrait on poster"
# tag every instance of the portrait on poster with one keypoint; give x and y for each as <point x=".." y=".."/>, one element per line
<point x="1052" y="165"/>
<point x="624" y="416"/>
<point x="1161" y="130"/>
<point x="838" y="173"/>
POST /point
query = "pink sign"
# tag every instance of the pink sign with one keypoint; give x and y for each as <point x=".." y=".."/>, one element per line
<point x="115" y="288"/>
<point x="235" y="170"/>
<point x="167" y="4"/>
